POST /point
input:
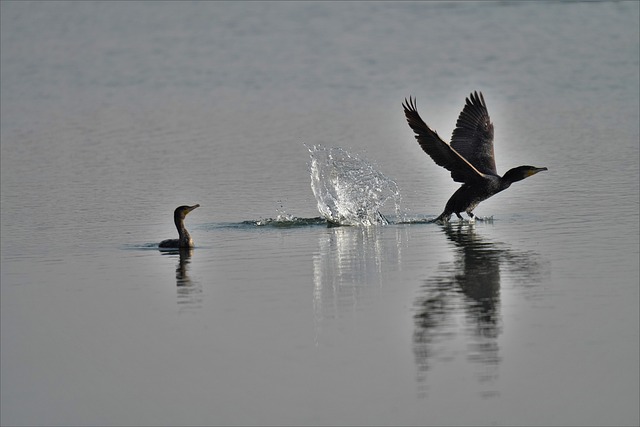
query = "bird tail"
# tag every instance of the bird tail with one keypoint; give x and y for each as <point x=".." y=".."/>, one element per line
<point x="442" y="218"/>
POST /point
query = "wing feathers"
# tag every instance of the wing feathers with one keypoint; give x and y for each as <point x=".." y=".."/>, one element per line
<point x="473" y="135"/>
<point x="442" y="153"/>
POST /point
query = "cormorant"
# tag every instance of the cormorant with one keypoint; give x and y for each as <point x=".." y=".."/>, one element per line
<point x="469" y="158"/>
<point x="184" y="240"/>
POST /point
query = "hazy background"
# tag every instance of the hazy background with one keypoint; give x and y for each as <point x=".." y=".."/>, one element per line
<point x="115" y="113"/>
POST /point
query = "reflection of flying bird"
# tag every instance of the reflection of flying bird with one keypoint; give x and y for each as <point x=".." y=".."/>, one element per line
<point x="184" y="240"/>
<point x="469" y="158"/>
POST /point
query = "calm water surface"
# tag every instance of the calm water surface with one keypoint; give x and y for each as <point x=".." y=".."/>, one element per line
<point x="114" y="113"/>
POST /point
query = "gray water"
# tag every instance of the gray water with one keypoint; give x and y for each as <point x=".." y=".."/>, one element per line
<point x="115" y="113"/>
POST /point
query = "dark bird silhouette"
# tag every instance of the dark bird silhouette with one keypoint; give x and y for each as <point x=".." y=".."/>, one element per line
<point x="184" y="238"/>
<point x="469" y="158"/>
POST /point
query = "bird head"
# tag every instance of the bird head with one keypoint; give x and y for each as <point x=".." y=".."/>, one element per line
<point x="521" y="172"/>
<point x="182" y="211"/>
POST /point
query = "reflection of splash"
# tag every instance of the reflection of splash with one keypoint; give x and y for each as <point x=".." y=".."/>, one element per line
<point x="471" y="285"/>
<point x="349" y="191"/>
<point x="189" y="294"/>
<point x="349" y="264"/>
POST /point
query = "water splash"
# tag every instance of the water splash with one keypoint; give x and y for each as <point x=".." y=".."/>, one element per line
<point x="349" y="190"/>
<point x="284" y="219"/>
<point x="287" y="221"/>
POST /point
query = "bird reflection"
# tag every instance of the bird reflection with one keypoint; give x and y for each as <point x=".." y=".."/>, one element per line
<point x="468" y="287"/>
<point x="189" y="294"/>
<point x="182" y="278"/>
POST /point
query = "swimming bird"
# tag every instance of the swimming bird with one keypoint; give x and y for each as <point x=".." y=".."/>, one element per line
<point x="184" y="240"/>
<point x="469" y="157"/>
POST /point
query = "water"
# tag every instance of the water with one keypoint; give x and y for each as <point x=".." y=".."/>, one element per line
<point x="113" y="114"/>
<point x="349" y="190"/>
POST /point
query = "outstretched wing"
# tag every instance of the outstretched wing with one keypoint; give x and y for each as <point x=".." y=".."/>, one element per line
<point x="441" y="152"/>
<point x="473" y="135"/>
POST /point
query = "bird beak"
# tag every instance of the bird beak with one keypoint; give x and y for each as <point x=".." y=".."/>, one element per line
<point x="533" y="171"/>
<point x="536" y="170"/>
<point x="193" y="207"/>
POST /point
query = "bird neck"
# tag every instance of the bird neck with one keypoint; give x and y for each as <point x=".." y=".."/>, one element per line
<point x="515" y="175"/>
<point x="184" y="236"/>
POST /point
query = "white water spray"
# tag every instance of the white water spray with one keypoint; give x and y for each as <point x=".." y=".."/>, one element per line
<point x="349" y="190"/>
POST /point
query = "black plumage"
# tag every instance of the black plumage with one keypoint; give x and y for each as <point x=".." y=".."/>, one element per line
<point x="470" y="157"/>
<point x="184" y="238"/>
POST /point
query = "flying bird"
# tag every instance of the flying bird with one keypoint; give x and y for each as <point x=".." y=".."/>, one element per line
<point x="469" y="157"/>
